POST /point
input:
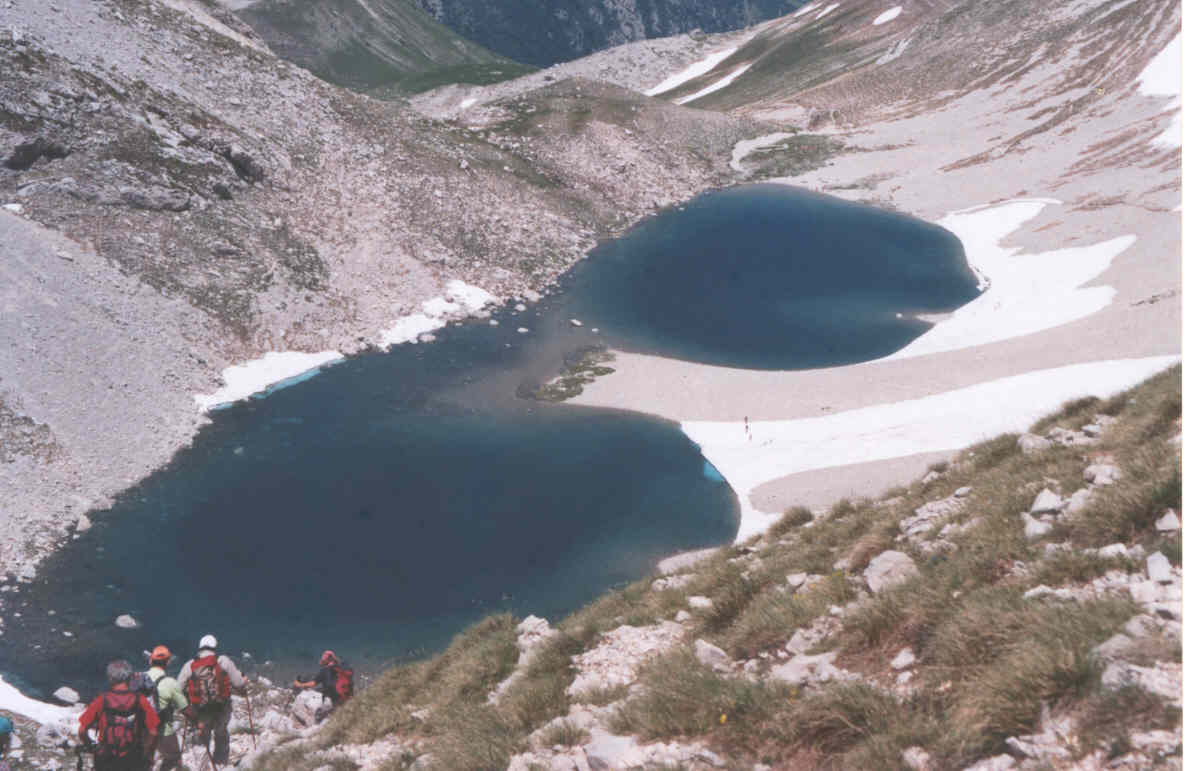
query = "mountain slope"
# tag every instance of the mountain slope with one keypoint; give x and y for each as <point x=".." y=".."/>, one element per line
<point x="377" y="43"/>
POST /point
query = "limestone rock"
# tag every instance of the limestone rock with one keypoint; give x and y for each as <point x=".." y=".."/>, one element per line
<point x="1163" y="679"/>
<point x="1159" y="569"/>
<point x="1030" y="443"/>
<point x="888" y="569"/>
<point x="917" y="759"/>
<point x="1047" y="502"/>
<point x="679" y="563"/>
<point x="698" y="602"/>
<point x="1079" y="500"/>
<point x="306" y="707"/>
<point x="1168" y="523"/>
<point x="54" y="734"/>
<point x="83" y="524"/>
<point x="66" y="695"/>
<point x="1102" y="474"/>
<point x="803" y="669"/>
<point x="804" y="639"/>
<point x="607" y="752"/>
<point x="711" y="655"/>
<point x="1113" y="648"/>
<point x="671" y="582"/>
<point x="961" y="492"/>
<point x="1113" y="551"/>
<point x="996" y="763"/>
<point x="1034" y="528"/>
<point x="903" y="660"/>
<point x="126" y="622"/>
<point x="796" y="580"/>
<point x="683" y="615"/>
<point x="618" y="655"/>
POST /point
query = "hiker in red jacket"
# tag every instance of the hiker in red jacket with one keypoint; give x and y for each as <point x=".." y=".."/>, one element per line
<point x="208" y="682"/>
<point x="335" y="681"/>
<point x="125" y="723"/>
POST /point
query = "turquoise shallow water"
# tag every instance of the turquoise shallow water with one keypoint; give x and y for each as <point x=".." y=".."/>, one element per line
<point x="381" y="506"/>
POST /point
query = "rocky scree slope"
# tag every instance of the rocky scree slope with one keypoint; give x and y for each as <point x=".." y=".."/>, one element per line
<point x="165" y="217"/>
<point x="1019" y="607"/>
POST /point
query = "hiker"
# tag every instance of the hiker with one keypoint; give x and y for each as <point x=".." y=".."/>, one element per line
<point x="335" y="681"/>
<point x="168" y="700"/>
<point x="208" y="682"/>
<point x="5" y="738"/>
<point x="125" y="724"/>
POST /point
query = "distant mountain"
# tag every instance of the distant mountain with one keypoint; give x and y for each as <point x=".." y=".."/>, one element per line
<point x="386" y="44"/>
<point x="546" y="33"/>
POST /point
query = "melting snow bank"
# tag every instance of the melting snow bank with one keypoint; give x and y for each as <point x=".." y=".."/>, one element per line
<point x="268" y="373"/>
<point x="1025" y="293"/>
<point x="747" y="146"/>
<point x="12" y="700"/>
<point x="942" y="422"/>
<point x="717" y="85"/>
<point x="461" y="300"/>
<point x="690" y="72"/>
<point x="888" y="15"/>
<point x="1162" y="78"/>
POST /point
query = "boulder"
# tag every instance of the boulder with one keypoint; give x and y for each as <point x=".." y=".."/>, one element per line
<point x="126" y="622"/>
<point x="1168" y="523"/>
<point x="803" y="669"/>
<point x="1102" y="474"/>
<point x="711" y="655"/>
<point x="698" y="602"/>
<point x="1047" y="502"/>
<point x="83" y="524"/>
<point x="888" y="569"/>
<point x="796" y="580"/>
<point x="66" y="695"/>
<point x="917" y="759"/>
<point x="1079" y="500"/>
<point x="904" y="660"/>
<point x="1030" y="443"/>
<point x="1159" y="569"/>
<point x="961" y="492"/>
<point x="1034" y="528"/>
<point x="607" y="752"/>
<point x="306" y="708"/>
<point x="1162" y="680"/>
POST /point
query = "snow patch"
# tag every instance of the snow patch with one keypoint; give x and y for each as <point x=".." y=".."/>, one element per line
<point x="1024" y="293"/>
<point x="828" y="9"/>
<point x="717" y="85"/>
<point x="460" y="301"/>
<point x="275" y="369"/>
<point x="747" y="146"/>
<point x="888" y="15"/>
<point x="937" y="423"/>
<point x="807" y="9"/>
<point x="692" y="71"/>
<point x="895" y="52"/>
<point x="1161" y="77"/>
<point x="12" y="700"/>
<point x="467" y="102"/>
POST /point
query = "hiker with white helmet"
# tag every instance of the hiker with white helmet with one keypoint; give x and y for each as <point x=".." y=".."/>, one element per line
<point x="208" y="682"/>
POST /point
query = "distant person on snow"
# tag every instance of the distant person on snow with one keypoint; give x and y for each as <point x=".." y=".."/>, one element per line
<point x="208" y="682"/>
<point x="124" y="721"/>
<point x="168" y="700"/>
<point x="5" y="738"/>
<point x="335" y="681"/>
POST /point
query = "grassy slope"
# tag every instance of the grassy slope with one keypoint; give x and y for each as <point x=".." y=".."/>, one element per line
<point x="989" y="661"/>
<point x="390" y="47"/>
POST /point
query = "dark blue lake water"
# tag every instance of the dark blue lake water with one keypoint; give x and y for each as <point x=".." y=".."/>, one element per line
<point x="386" y="503"/>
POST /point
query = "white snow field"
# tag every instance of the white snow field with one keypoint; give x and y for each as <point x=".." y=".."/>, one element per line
<point x="888" y="15"/>
<point x="1162" y="77"/>
<point x="273" y="369"/>
<point x="716" y="85"/>
<point x="692" y="71"/>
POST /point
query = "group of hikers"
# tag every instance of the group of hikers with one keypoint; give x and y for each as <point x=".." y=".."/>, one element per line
<point x="132" y="722"/>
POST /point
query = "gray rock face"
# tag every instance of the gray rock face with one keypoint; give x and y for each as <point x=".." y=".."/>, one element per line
<point x="888" y="569"/>
<point x="155" y="198"/>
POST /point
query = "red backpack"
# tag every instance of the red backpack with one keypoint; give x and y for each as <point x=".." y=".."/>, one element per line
<point x="209" y="685"/>
<point x="121" y="726"/>
<point x="344" y="682"/>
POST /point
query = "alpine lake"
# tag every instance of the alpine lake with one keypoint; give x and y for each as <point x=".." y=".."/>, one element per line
<point x="385" y="504"/>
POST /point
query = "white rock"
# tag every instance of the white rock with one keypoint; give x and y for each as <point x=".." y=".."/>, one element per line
<point x="83" y="524"/>
<point x="1092" y="430"/>
<point x="1034" y="528"/>
<point x="1046" y="592"/>
<point x="66" y="695"/>
<point x="306" y="707"/>
<point x="917" y="759"/>
<point x="960" y="492"/>
<point x="1113" y="648"/>
<point x="888" y="569"/>
<point x="607" y="752"/>
<point x="1047" y="502"/>
<point x="1163" y="680"/>
<point x="711" y="655"/>
<point x="671" y="582"/>
<point x="903" y="660"/>
<point x="1114" y="550"/>
<point x="697" y="602"/>
<point x="126" y="622"/>
<point x="53" y="734"/>
<point x="679" y="563"/>
<point x="996" y="763"/>
<point x="1079" y="500"/>
<point x="803" y="669"/>
<point x="683" y="615"/>
<point x="575" y="322"/>
<point x="1102" y="474"/>
<point x="1030" y="443"/>
<point x="523" y="330"/>
<point x="1168" y="523"/>
<point x="1159" y="569"/>
<point x="903" y="678"/>
<point x="1156" y="742"/>
<point x="796" y="580"/>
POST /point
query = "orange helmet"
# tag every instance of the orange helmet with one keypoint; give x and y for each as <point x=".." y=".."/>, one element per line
<point x="328" y="657"/>
<point x="160" y="653"/>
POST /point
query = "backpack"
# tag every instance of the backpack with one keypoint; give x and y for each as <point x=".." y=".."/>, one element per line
<point x="209" y="685"/>
<point x="121" y="726"/>
<point x="144" y="683"/>
<point x="344" y="682"/>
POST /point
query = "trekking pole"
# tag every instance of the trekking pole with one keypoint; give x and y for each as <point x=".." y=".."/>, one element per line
<point x="251" y="720"/>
